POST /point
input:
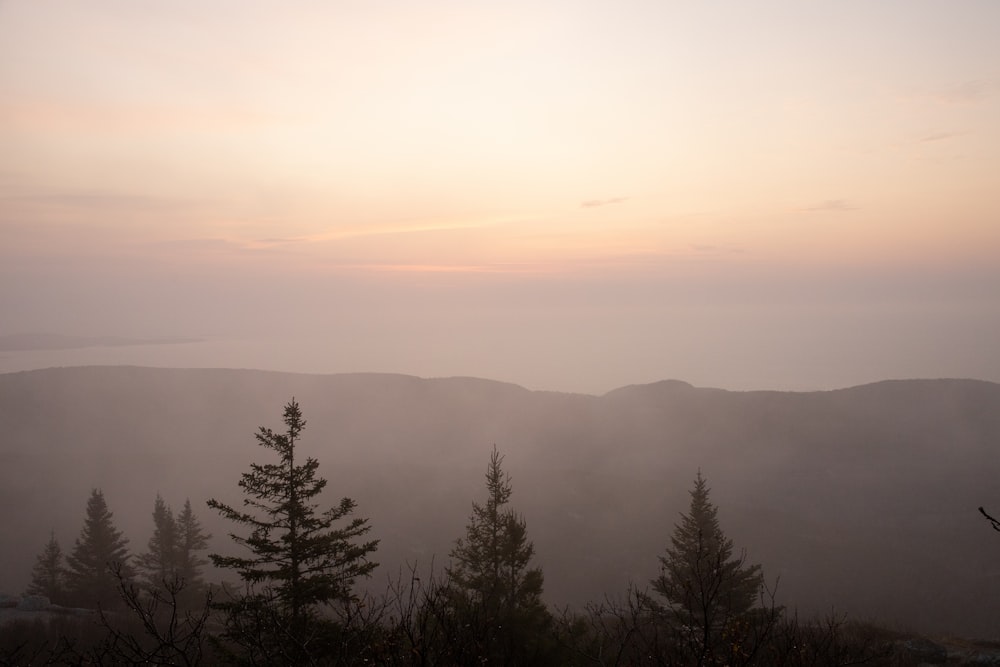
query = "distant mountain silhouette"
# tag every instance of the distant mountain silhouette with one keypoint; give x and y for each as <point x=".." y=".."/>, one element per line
<point x="862" y="500"/>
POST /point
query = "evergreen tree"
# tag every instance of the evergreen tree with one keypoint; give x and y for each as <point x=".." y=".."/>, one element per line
<point x="191" y="538"/>
<point x="707" y="587"/>
<point x="100" y="547"/>
<point x="298" y="559"/>
<point x="493" y="586"/>
<point x="48" y="576"/>
<point x="159" y="564"/>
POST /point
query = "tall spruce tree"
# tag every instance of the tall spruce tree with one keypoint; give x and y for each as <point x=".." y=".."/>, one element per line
<point x="298" y="558"/>
<point x="706" y="586"/>
<point x="48" y="576"/>
<point x="191" y="539"/>
<point x="493" y="585"/>
<point x="90" y="578"/>
<point x="158" y="565"/>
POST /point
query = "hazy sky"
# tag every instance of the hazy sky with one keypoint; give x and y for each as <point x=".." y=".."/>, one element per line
<point x="568" y="195"/>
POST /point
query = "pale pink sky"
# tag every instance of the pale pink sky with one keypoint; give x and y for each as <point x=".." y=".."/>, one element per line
<point x="567" y="195"/>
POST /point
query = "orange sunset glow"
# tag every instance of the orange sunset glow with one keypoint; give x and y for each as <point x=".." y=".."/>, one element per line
<point x="566" y="195"/>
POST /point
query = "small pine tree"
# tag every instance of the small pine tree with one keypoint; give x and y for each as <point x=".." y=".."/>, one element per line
<point x="49" y="574"/>
<point x="158" y="565"/>
<point x="705" y="585"/>
<point x="493" y="585"/>
<point x="191" y="538"/>
<point x="90" y="579"/>
<point x="298" y="559"/>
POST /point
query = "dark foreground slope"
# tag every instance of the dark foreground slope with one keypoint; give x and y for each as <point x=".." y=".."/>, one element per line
<point x="862" y="500"/>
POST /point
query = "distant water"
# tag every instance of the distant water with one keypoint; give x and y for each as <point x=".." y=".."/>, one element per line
<point x="319" y="354"/>
<point x="257" y="354"/>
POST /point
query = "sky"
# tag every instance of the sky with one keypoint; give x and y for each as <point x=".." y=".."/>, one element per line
<point x="572" y="196"/>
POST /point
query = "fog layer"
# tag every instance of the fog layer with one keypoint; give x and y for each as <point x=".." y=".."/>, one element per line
<point x="860" y="500"/>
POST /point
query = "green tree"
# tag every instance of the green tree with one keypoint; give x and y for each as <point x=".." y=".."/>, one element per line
<point x="48" y="576"/>
<point x="298" y="560"/>
<point x="494" y="588"/>
<point x="706" y="586"/>
<point x="158" y="565"/>
<point x="101" y="547"/>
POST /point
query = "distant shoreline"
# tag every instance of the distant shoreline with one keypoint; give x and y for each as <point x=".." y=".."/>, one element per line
<point x="34" y="342"/>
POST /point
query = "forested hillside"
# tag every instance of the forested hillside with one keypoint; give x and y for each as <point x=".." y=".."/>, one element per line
<point x="861" y="500"/>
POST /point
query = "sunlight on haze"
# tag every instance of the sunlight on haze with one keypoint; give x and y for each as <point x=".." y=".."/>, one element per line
<point x="548" y="164"/>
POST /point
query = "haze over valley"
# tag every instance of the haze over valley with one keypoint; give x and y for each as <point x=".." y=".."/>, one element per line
<point x="847" y="497"/>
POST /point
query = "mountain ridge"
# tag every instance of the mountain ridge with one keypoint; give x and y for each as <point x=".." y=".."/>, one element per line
<point x="862" y="498"/>
<point x="667" y="383"/>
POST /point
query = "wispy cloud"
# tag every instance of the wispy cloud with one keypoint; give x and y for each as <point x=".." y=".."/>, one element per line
<point x="426" y="268"/>
<point x="211" y="244"/>
<point x="831" y="205"/>
<point x="277" y="241"/>
<point x="967" y="92"/>
<point x="939" y="136"/>
<point x="708" y="248"/>
<point x="415" y="226"/>
<point x="215" y="246"/>
<point x="595" y="203"/>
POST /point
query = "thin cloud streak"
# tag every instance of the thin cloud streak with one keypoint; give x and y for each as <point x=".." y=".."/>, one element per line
<point x="597" y="203"/>
<point x="717" y="249"/>
<point x="831" y="205"/>
<point x="939" y="136"/>
<point x="217" y="246"/>
<point x="418" y="227"/>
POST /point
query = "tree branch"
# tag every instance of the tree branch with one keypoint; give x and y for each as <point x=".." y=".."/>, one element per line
<point x="993" y="522"/>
